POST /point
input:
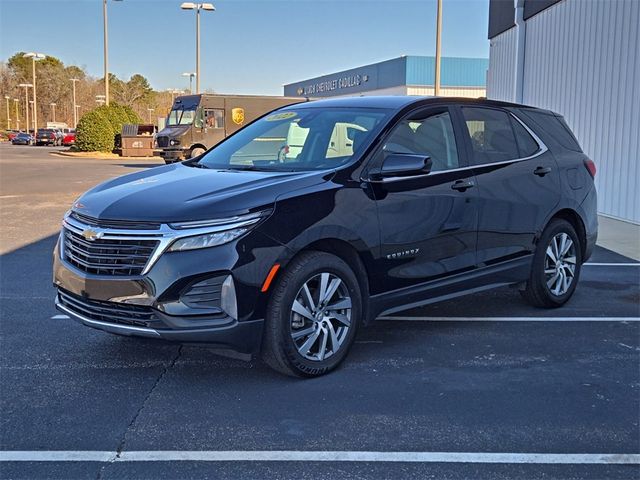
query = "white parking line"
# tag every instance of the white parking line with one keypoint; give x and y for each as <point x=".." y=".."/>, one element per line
<point x="512" y="319"/>
<point x="318" y="456"/>
<point x="596" y="264"/>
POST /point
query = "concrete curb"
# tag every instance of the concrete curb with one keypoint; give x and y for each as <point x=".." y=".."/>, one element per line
<point x="100" y="156"/>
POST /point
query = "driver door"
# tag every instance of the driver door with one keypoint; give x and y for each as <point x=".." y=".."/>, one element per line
<point x="428" y="221"/>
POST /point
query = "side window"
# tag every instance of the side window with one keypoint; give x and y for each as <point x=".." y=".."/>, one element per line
<point x="526" y="143"/>
<point x="492" y="137"/>
<point x="214" y="118"/>
<point x="432" y="136"/>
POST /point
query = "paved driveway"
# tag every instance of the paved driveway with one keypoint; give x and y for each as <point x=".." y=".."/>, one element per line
<point x="432" y="393"/>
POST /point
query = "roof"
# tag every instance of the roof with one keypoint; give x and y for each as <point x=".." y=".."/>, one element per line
<point x="397" y="102"/>
<point x="405" y="70"/>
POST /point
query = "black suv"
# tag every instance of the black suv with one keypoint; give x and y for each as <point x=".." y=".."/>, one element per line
<point x="48" y="136"/>
<point x="319" y="217"/>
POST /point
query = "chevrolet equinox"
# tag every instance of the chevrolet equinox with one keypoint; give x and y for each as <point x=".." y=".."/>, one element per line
<point x="315" y="219"/>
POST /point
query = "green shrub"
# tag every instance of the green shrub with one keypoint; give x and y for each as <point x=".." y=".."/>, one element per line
<point x="94" y="133"/>
<point x="102" y="125"/>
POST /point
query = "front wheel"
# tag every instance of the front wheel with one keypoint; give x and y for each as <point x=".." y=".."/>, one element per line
<point x="312" y="316"/>
<point x="556" y="266"/>
<point x="196" y="152"/>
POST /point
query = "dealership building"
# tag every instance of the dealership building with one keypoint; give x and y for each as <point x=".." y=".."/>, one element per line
<point x="406" y="75"/>
<point x="580" y="59"/>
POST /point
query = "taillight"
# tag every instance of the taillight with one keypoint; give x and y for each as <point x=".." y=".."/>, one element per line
<point x="591" y="167"/>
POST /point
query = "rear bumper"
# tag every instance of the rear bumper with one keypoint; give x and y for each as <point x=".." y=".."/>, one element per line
<point x="243" y="337"/>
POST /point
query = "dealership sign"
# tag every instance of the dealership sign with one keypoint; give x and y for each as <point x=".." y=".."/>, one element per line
<point x="325" y="86"/>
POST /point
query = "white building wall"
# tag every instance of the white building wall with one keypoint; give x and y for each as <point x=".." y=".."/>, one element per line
<point x="502" y="57"/>
<point x="582" y="60"/>
<point x="467" y="92"/>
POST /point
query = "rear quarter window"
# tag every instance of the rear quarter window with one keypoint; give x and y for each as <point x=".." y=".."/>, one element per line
<point x="556" y="127"/>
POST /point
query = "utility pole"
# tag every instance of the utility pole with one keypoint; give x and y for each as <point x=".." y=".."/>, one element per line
<point x="75" y="113"/>
<point x="436" y="84"/>
<point x="53" y="111"/>
<point x="106" y="51"/>
<point x="26" y="87"/>
<point x="15" y="103"/>
<point x="7" y="98"/>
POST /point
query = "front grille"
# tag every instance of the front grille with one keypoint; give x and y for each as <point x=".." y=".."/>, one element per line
<point x="163" y="141"/>
<point x="126" y="224"/>
<point x="118" y="313"/>
<point x="124" y="257"/>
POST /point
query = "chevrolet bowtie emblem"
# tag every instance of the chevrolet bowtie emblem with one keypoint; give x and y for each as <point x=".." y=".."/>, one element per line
<point x="92" y="235"/>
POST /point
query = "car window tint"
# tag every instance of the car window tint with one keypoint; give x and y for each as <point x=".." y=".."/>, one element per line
<point x="526" y="143"/>
<point x="556" y="127"/>
<point x="491" y="135"/>
<point x="431" y="136"/>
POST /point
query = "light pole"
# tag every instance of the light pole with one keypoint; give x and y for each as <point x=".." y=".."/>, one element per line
<point x="75" y="115"/>
<point x="197" y="7"/>
<point x="190" y="75"/>
<point x="34" y="56"/>
<point x="76" y="110"/>
<point x="436" y="83"/>
<point x="150" y="110"/>
<point x="106" y="50"/>
<point x="15" y="103"/>
<point x="33" y="124"/>
<point x="53" y="111"/>
<point x="26" y="87"/>
<point x="7" y="98"/>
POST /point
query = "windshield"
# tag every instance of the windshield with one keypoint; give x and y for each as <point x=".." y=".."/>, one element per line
<point x="181" y="116"/>
<point x="295" y="140"/>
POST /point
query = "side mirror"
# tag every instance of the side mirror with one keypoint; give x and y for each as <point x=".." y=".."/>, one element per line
<point x="405" y="165"/>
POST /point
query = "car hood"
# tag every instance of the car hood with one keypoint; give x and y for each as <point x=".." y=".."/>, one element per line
<point x="177" y="192"/>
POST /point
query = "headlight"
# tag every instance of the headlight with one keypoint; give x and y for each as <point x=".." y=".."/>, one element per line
<point x="211" y="233"/>
<point x="206" y="240"/>
<point x="174" y="142"/>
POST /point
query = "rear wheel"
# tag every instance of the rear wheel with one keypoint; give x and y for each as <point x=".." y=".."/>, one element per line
<point x="312" y="316"/>
<point x="556" y="266"/>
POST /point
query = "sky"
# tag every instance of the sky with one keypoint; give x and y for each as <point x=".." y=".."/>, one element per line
<point x="247" y="46"/>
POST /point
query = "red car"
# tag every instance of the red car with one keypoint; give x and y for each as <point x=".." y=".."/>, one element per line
<point x="69" y="137"/>
<point x="11" y="134"/>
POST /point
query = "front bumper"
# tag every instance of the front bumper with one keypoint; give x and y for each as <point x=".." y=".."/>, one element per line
<point x="166" y="301"/>
<point x="243" y="337"/>
<point x="173" y="154"/>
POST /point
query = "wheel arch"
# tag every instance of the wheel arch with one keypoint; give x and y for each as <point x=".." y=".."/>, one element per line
<point x="576" y="222"/>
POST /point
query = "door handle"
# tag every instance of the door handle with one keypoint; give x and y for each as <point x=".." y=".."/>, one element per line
<point x="462" y="185"/>
<point x="542" y="171"/>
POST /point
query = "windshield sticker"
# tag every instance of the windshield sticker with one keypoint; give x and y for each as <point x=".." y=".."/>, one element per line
<point x="280" y="116"/>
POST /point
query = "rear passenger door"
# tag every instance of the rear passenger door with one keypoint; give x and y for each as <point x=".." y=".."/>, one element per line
<point x="517" y="178"/>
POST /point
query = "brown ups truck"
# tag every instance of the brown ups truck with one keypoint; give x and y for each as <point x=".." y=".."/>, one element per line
<point x="198" y="122"/>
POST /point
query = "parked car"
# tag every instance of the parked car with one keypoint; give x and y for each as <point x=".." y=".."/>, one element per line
<point x="434" y="198"/>
<point x="22" y="139"/>
<point x="48" y="136"/>
<point x="11" y="134"/>
<point x="69" y="137"/>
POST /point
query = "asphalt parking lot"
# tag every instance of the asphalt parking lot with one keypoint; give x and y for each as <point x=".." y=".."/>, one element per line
<point x="437" y="392"/>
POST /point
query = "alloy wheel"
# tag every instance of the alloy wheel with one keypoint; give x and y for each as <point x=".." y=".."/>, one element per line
<point x="321" y="316"/>
<point x="560" y="264"/>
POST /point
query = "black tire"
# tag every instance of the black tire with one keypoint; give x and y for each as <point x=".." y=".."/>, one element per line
<point x="279" y="350"/>
<point x="537" y="291"/>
